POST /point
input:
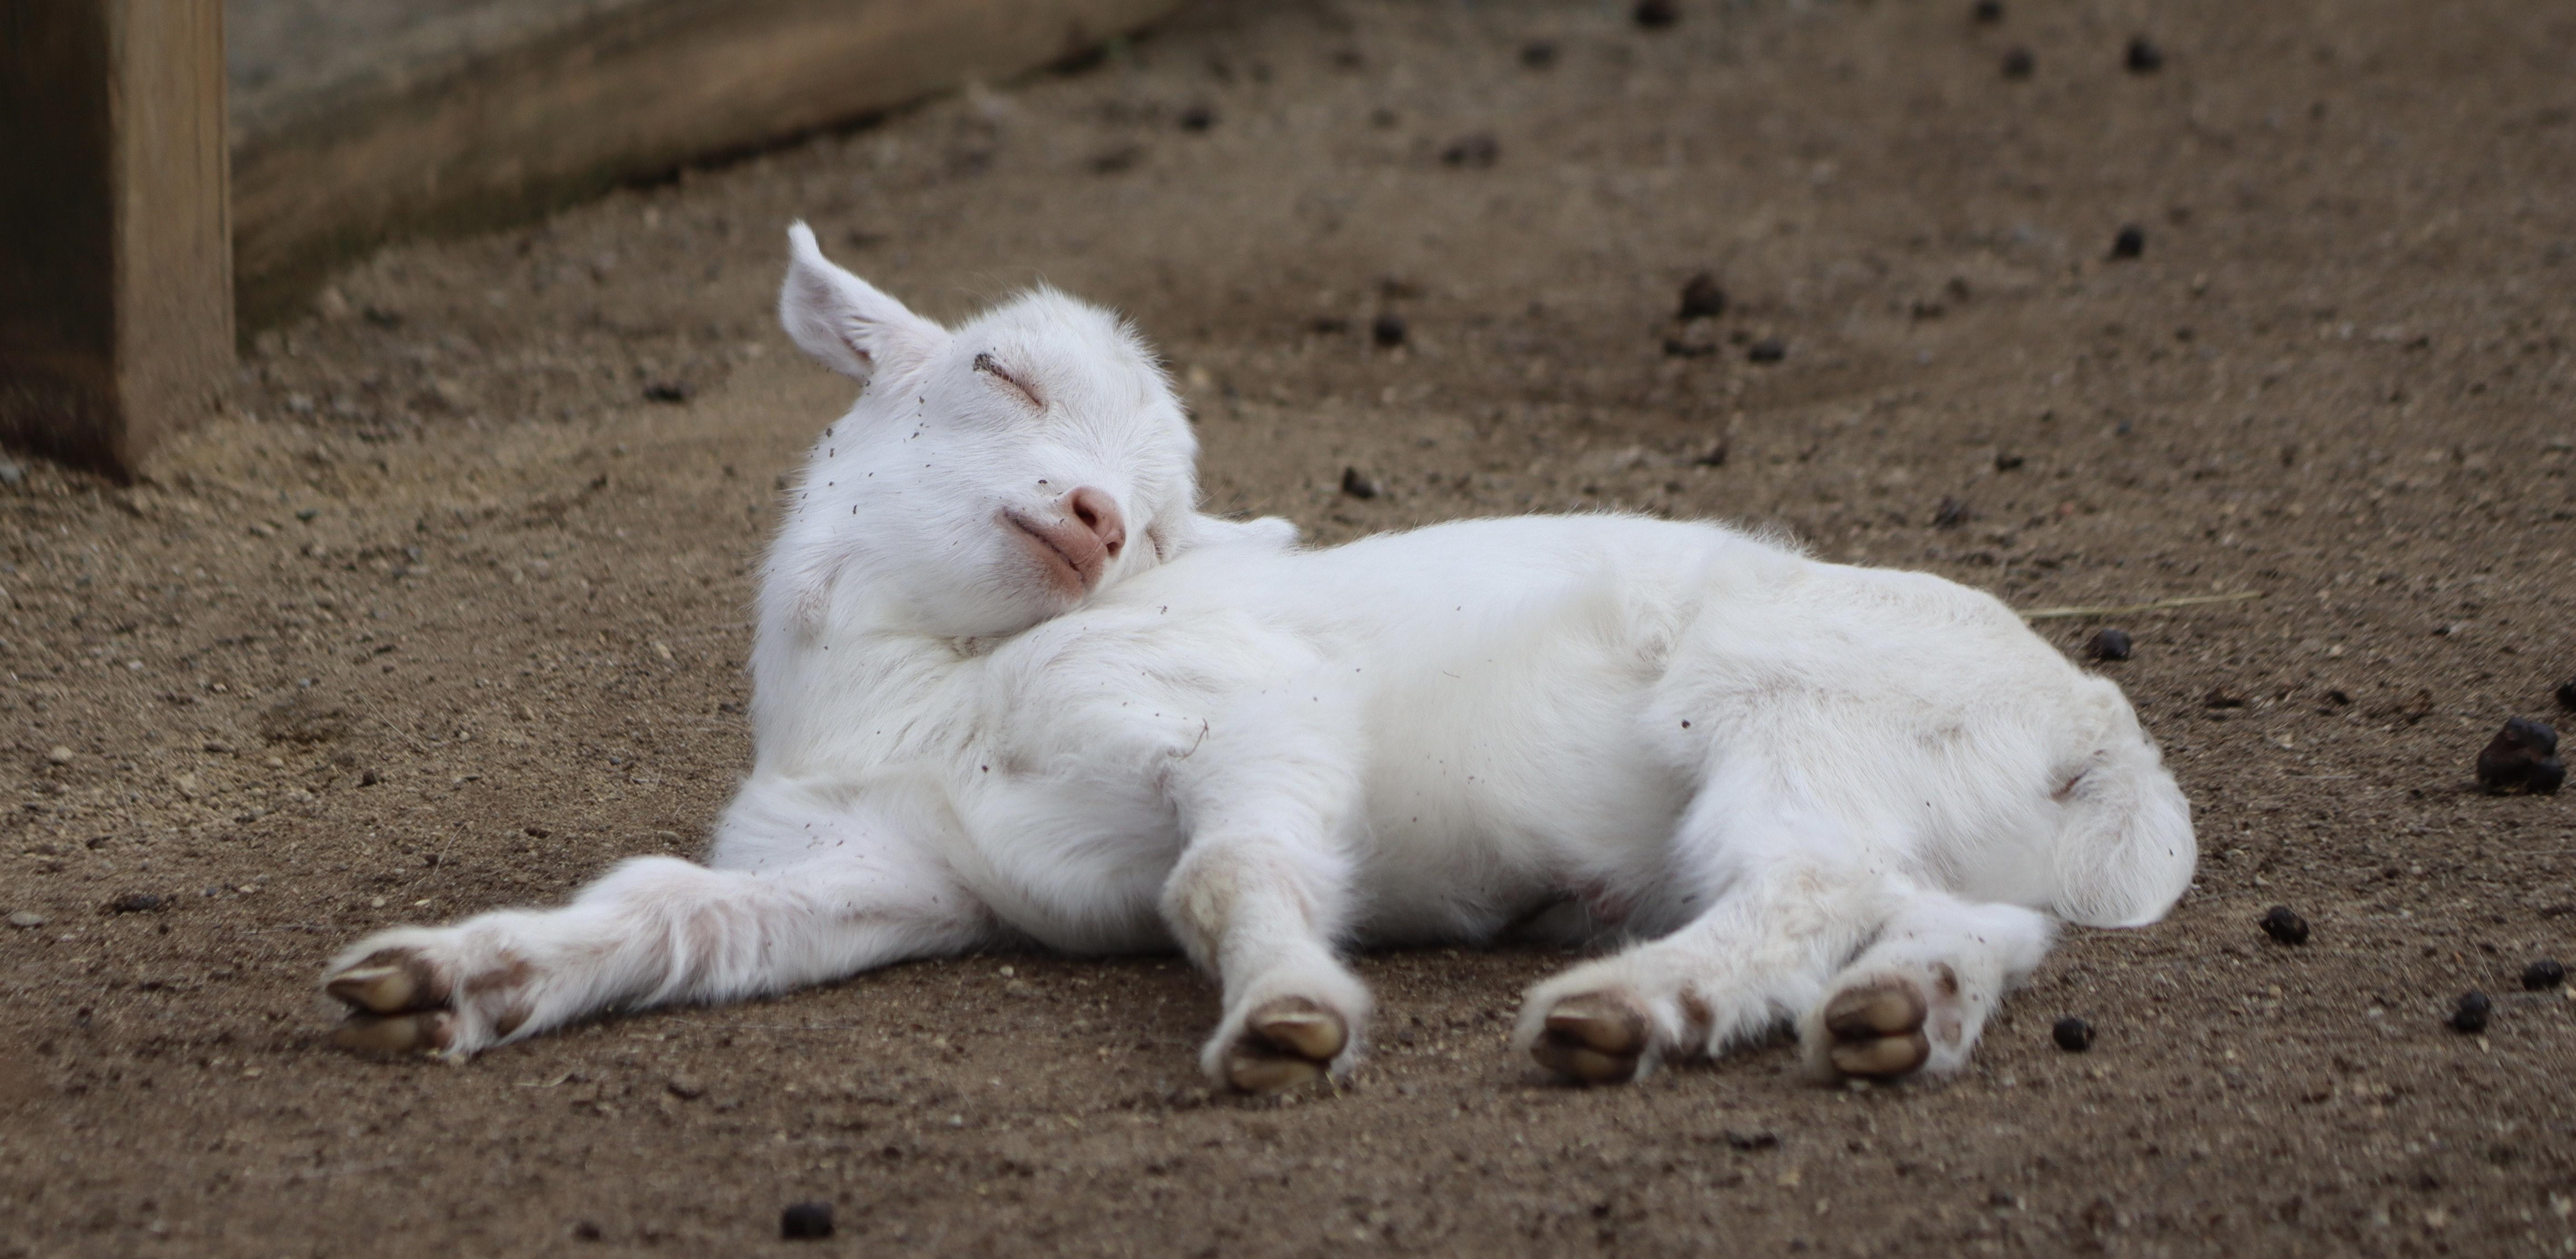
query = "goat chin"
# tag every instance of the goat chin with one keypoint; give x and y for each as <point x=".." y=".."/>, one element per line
<point x="1854" y="801"/>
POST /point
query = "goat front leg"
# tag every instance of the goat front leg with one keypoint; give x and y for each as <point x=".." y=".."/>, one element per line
<point x="1261" y="913"/>
<point x="654" y="931"/>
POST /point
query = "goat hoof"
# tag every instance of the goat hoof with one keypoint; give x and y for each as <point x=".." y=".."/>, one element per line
<point x="1877" y="1030"/>
<point x="1286" y="1043"/>
<point x="394" y="1034"/>
<point x="390" y="982"/>
<point x="1596" y="1038"/>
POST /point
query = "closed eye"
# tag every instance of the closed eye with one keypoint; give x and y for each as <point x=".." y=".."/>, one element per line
<point x="986" y="364"/>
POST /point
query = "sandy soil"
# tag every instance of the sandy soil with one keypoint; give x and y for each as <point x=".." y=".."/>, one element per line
<point x="451" y="616"/>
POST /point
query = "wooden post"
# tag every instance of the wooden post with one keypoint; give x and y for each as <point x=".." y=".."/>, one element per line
<point x="116" y="299"/>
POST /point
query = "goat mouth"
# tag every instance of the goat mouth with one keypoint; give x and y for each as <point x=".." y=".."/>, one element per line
<point x="1063" y="571"/>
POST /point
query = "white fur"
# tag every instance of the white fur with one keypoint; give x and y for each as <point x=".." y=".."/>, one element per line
<point x="1784" y="777"/>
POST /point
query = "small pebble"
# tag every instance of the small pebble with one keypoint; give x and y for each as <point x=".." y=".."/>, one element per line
<point x="2285" y="926"/>
<point x="1767" y="350"/>
<point x="2144" y="57"/>
<point x="2109" y="644"/>
<point x="586" y="1231"/>
<point x="2018" y="63"/>
<point x="1388" y="330"/>
<point x="11" y="474"/>
<point x="1656" y="15"/>
<point x="26" y="921"/>
<point x="1986" y="12"/>
<point x="2073" y="1035"/>
<point x="1198" y="118"/>
<point x="308" y="514"/>
<point x="2471" y="1014"/>
<point x="686" y="1087"/>
<point x="134" y="903"/>
<point x="1952" y="513"/>
<point x="2543" y="975"/>
<point x="2522" y="757"/>
<point x="668" y="391"/>
<point x="806" y="1221"/>
<point x="1702" y="298"/>
<point x="1538" y="54"/>
<point x="2007" y="462"/>
<point x="2130" y="243"/>
<point x="1357" y="485"/>
<point x="59" y="755"/>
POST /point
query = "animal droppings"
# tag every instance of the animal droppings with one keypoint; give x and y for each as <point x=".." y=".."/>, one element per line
<point x="2018" y="63"/>
<point x="1767" y="350"/>
<point x="135" y="903"/>
<point x="1388" y="331"/>
<point x="1986" y="12"/>
<point x="2522" y="757"/>
<point x="1538" y="54"/>
<point x="1656" y="15"/>
<point x="2567" y="694"/>
<point x="2284" y="926"/>
<point x="2143" y="56"/>
<point x="2072" y="1034"/>
<point x="1474" y="152"/>
<point x="2543" y="975"/>
<point x="1197" y="118"/>
<point x="2130" y="243"/>
<point x="806" y="1221"/>
<point x="1702" y="298"/>
<point x="1358" y="484"/>
<point x="2470" y="1015"/>
<point x="2109" y="644"/>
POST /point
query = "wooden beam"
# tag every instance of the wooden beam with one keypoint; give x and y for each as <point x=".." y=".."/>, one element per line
<point x="509" y="110"/>
<point x="116" y="276"/>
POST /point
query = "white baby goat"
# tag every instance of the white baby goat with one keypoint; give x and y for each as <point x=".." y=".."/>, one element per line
<point x="1009" y="686"/>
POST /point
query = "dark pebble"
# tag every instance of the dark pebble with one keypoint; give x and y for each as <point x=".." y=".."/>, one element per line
<point x="1986" y="12"/>
<point x="1952" y="513"/>
<point x="1767" y="350"/>
<point x="1197" y="118"/>
<point x="1702" y="297"/>
<point x="1656" y="15"/>
<point x="2522" y="757"/>
<point x="2471" y="1014"/>
<point x="2567" y="694"/>
<point x="806" y="1221"/>
<point x="2109" y="644"/>
<point x="2007" y="462"/>
<point x="2283" y="925"/>
<point x="667" y="391"/>
<point x="2543" y="975"/>
<point x="135" y="903"/>
<point x="1675" y="347"/>
<point x="1750" y="1140"/>
<point x="1716" y="457"/>
<point x="1475" y="152"/>
<point x="586" y="1231"/>
<point x="2130" y="243"/>
<point x="1357" y="485"/>
<point x="1388" y="330"/>
<point x="2018" y="63"/>
<point x="2223" y="697"/>
<point x="307" y="514"/>
<point x="2144" y="57"/>
<point x="1538" y="54"/>
<point x="2073" y="1035"/>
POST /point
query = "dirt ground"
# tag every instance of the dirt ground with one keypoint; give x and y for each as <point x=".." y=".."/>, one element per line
<point x="451" y="615"/>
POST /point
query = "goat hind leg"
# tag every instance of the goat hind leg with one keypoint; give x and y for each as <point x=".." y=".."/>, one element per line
<point x="1918" y="998"/>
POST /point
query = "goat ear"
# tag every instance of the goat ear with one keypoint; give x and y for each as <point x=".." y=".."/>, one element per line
<point x="843" y="321"/>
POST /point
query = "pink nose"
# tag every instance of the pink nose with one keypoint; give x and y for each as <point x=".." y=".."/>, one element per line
<point x="1094" y="510"/>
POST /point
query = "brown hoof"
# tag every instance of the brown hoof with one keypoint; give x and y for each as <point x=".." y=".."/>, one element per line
<point x="1286" y="1043"/>
<point x="1595" y="1038"/>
